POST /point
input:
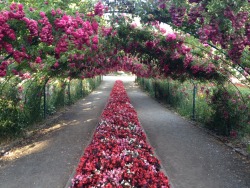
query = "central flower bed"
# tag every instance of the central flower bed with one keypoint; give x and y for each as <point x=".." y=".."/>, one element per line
<point x="119" y="155"/>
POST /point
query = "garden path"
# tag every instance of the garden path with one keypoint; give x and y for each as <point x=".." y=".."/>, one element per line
<point x="51" y="159"/>
<point x="190" y="157"/>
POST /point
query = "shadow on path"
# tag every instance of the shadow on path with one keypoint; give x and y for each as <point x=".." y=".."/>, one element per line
<point x="50" y="160"/>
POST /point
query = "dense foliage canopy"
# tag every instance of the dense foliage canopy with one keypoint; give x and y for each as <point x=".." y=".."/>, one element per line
<point x="208" y="39"/>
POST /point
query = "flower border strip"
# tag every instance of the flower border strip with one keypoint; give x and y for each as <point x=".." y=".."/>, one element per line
<point x="119" y="155"/>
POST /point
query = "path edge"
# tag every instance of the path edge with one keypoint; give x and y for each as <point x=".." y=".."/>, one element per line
<point x="198" y="125"/>
<point x="154" y="151"/>
<point x="69" y="182"/>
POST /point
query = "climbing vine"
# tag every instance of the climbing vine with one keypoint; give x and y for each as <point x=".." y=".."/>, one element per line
<point x="73" y="42"/>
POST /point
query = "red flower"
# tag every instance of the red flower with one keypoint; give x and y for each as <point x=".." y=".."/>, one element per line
<point x="38" y="60"/>
<point x="119" y="155"/>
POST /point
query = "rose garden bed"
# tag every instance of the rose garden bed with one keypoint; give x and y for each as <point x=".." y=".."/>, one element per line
<point x="119" y="155"/>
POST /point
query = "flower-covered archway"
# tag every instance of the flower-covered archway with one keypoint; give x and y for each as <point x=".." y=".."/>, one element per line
<point x="60" y="43"/>
<point x="42" y="41"/>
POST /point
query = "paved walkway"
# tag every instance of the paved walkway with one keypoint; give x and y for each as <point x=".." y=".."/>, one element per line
<point x="190" y="157"/>
<point x="49" y="162"/>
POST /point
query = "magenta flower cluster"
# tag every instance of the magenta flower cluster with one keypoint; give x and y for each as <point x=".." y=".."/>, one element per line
<point x="46" y="32"/>
<point x="60" y="32"/>
<point x="3" y="67"/>
<point x="214" y="30"/>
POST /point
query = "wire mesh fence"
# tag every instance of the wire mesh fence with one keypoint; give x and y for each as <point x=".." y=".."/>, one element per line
<point x="25" y="102"/>
<point x="224" y="109"/>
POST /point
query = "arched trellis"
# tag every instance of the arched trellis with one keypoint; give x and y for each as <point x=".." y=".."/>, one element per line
<point x="56" y="25"/>
<point x="191" y="21"/>
<point x="55" y="43"/>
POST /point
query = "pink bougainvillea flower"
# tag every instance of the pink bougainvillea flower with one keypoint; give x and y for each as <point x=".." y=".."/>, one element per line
<point x="56" y="65"/>
<point x="42" y="14"/>
<point x="99" y="9"/>
<point x="170" y="37"/>
<point x="38" y="60"/>
<point x="95" y="40"/>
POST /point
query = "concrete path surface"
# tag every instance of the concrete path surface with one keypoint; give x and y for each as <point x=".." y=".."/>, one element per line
<point x="190" y="157"/>
<point x="49" y="162"/>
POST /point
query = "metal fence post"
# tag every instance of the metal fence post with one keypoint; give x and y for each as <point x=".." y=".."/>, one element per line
<point x="81" y="89"/>
<point x="168" y="92"/>
<point x="94" y="83"/>
<point x="69" y="92"/>
<point x="194" y="97"/>
<point x="155" y="88"/>
<point x="44" y="101"/>
<point x="64" y="87"/>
